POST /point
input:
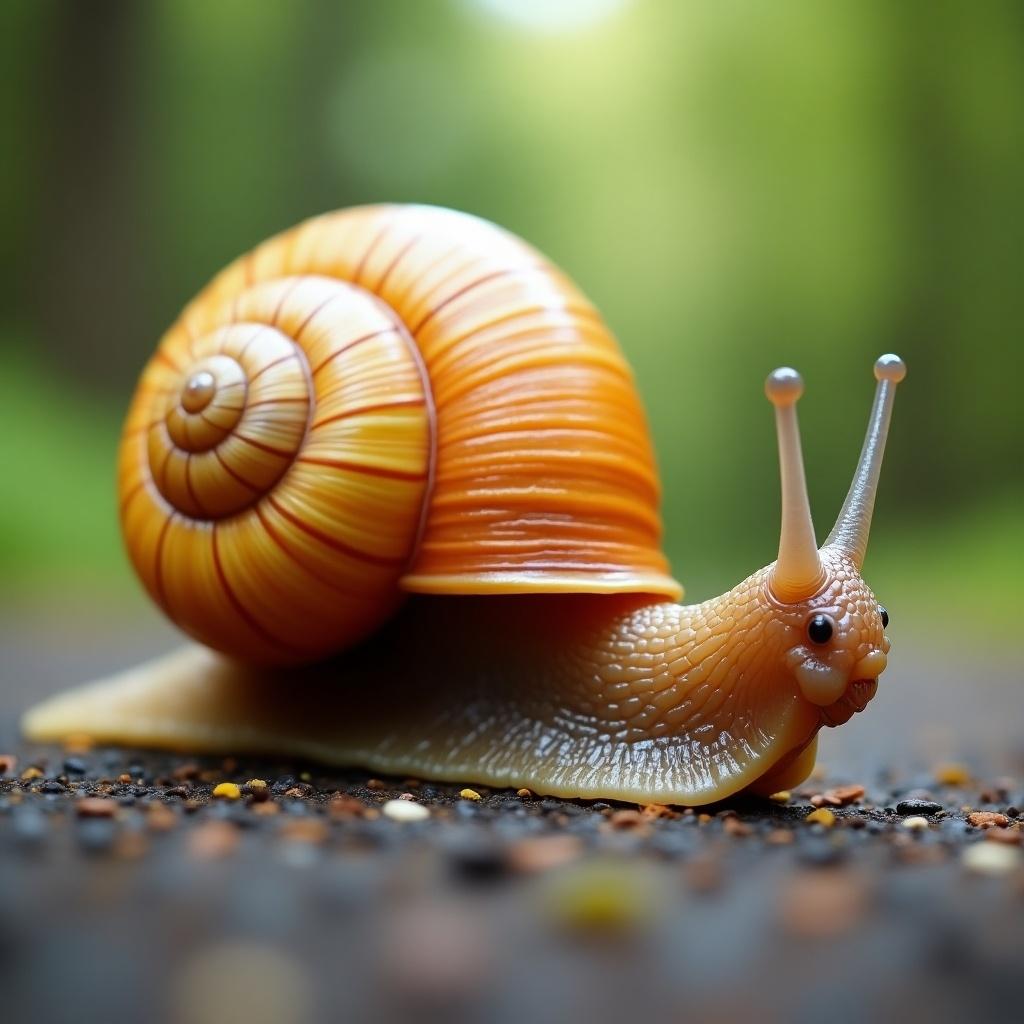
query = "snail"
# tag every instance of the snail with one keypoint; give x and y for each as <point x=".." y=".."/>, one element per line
<point x="390" y="469"/>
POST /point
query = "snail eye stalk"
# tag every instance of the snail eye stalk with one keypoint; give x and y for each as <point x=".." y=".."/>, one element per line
<point x="884" y="614"/>
<point x="820" y="629"/>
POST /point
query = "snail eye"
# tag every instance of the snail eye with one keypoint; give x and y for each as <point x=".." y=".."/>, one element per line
<point x="884" y="614"/>
<point x="820" y="629"/>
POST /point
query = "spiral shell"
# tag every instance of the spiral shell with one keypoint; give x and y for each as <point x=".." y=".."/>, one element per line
<point x="381" y="400"/>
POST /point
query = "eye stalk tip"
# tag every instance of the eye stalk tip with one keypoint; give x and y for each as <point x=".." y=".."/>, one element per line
<point x="890" y="367"/>
<point x="784" y="386"/>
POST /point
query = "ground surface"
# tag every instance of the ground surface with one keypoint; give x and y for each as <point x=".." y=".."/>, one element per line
<point x="128" y="891"/>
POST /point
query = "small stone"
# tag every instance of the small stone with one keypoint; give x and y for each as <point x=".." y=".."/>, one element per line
<point x="782" y="797"/>
<point x="626" y="819"/>
<point x="916" y="823"/>
<point x="476" y="860"/>
<point x="841" y="796"/>
<point x="227" y="791"/>
<point x="524" y="793"/>
<point x="703" y="874"/>
<point x="187" y="772"/>
<point x="541" y="853"/>
<point x="1011" y="836"/>
<point x="469" y="794"/>
<point x="1012" y="812"/>
<point x="95" y="807"/>
<point x="952" y="773"/>
<point x="991" y="858"/>
<point x="405" y="810"/>
<point x="822" y="816"/>
<point x="124" y="778"/>
<point x="52" y="786"/>
<point x="734" y="827"/>
<point x="161" y="818"/>
<point x="8" y="763"/>
<point x="254" y="784"/>
<point x="917" y="806"/>
<point x="213" y="840"/>
<point x="986" y="819"/>
<point x="31" y="773"/>
<point x="30" y="826"/>
<point x="652" y="812"/>
<point x="341" y="805"/>
<point x="75" y="766"/>
<point x="96" y="835"/>
<point x="823" y="904"/>
<point x="376" y="784"/>
<point x="305" y="830"/>
<point x="597" y="898"/>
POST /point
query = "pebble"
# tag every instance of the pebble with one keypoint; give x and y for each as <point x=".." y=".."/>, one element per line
<point x="405" y="810"/>
<point x="96" y="835"/>
<point x="916" y="823"/>
<point x="75" y="766"/>
<point x="213" y="840"/>
<point x="626" y="819"/>
<point x="998" y="834"/>
<point x="918" y="806"/>
<point x="95" y="807"/>
<point x="820" y="853"/>
<point x="952" y="773"/>
<point x="782" y="797"/>
<point x="986" y="819"/>
<point x="477" y="859"/>
<point x="227" y="791"/>
<point x="53" y="786"/>
<point x="822" y="904"/>
<point x="991" y="859"/>
<point x="542" y="853"/>
<point x="29" y="825"/>
<point x="469" y="794"/>
<point x="822" y="816"/>
<point x="8" y="764"/>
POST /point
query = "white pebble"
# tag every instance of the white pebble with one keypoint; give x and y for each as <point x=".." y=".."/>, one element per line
<point x="405" y="810"/>
<point x="991" y="858"/>
<point x="916" y="823"/>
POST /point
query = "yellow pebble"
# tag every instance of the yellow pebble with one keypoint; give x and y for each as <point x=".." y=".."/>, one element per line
<point x="228" y="790"/>
<point x="469" y="794"/>
<point x="31" y="773"/>
<point x="257" y="784"/>
<point x="952" y="774"/>
<point x="524" y="793"/>
<point x="782" y="797"/>
<point x="822" y="816"/>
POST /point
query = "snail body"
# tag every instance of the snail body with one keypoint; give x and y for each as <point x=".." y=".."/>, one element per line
<point x="391" y="471"/>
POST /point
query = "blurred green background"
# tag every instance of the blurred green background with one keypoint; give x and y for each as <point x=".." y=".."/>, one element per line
<point x="736" y="184"/>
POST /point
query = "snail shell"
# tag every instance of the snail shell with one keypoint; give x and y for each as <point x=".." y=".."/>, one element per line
<point x="383" y="400"/>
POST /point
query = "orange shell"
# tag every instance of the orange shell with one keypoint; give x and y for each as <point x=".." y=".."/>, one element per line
<point x="383" y="399"/>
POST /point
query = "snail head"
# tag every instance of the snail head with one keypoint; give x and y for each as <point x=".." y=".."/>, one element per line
<point x="832" y="625"/>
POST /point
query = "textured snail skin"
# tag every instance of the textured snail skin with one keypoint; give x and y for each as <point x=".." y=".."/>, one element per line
<point x="574" y="695"/>
<point x="395" y="401"/>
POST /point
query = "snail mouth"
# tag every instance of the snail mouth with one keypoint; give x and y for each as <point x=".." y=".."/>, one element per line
<point x="856" y="698"/>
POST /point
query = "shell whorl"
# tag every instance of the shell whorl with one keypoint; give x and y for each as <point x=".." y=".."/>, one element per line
<point x="274" y="466"/>
<point x="380" y="400"/>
